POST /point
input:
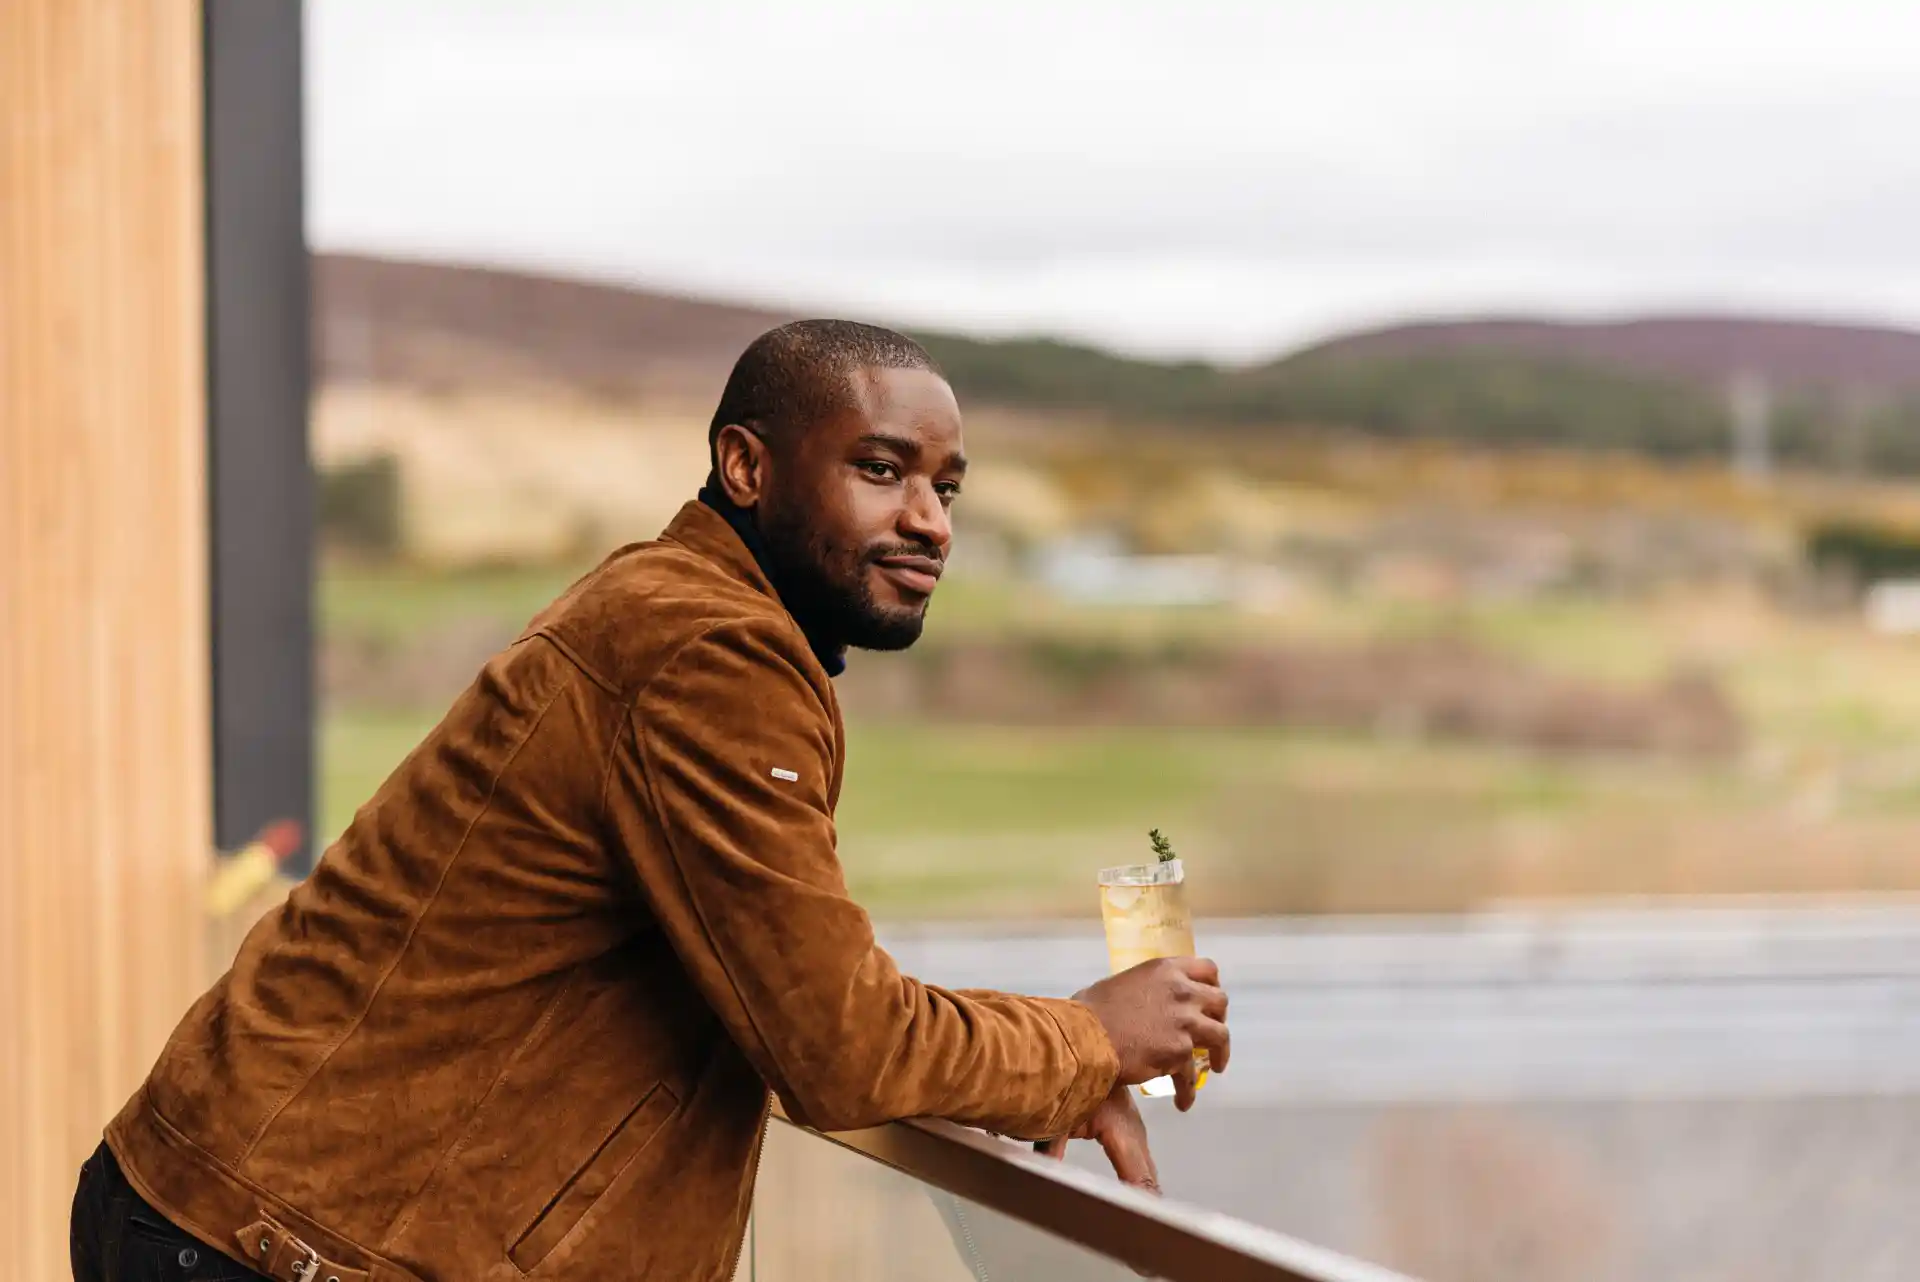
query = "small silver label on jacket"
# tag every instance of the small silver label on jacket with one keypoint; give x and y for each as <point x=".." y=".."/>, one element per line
<point x="791" y="776"/>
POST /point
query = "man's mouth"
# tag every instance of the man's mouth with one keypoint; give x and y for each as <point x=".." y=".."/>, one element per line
<point x="917" y="574"/>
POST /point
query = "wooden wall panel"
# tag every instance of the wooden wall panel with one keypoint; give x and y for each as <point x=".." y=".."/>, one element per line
<point x="104" y="787"/>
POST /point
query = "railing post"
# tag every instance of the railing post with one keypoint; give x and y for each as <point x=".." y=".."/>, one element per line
<point x="259" y="471"/>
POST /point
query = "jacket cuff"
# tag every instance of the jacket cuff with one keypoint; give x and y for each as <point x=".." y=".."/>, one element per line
<point x="1098" y="1064"/>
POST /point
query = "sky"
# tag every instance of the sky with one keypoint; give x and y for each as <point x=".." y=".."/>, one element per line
<point x="1189" y="178"/>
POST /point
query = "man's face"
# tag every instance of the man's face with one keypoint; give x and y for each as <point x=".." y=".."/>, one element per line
<point x="856" y="512"/>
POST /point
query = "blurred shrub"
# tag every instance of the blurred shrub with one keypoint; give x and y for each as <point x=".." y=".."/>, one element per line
<point x="1493" y="398"/>
<point x="1079" y="663"/>
<point x="1862" y="552"/>
<point x="1045" y="373"/>
<point x="360" y="506"/>
<point x="1488" y="396"/>
<point x="1441" y="690"/>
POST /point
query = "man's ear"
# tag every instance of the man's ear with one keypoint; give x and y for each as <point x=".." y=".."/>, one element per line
<point x="740" y="462"/>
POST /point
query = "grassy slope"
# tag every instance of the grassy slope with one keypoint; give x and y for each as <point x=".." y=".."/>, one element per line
<point x="945" y="820"/>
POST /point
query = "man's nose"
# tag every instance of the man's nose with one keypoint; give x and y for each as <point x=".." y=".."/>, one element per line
<point x="925" y="519"/>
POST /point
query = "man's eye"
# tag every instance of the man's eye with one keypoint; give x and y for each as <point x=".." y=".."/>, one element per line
<point x="947" y="490"/>
<point x="878" y="469"/>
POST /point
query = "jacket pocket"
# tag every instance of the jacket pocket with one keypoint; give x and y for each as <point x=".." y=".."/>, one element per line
<point x="586" y="1185"/>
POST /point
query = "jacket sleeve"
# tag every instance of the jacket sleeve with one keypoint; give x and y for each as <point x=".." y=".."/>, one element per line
<point x="720" y="796"/>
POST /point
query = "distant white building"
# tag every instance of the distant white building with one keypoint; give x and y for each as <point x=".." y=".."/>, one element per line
<point x="1893" y="606"/>
<point x="1096" y="568"/>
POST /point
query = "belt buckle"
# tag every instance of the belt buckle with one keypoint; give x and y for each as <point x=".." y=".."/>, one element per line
<point x="304" y="1270"/>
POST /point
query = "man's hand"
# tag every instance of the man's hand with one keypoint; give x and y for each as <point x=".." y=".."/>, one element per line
<point x="1122" y="1133"/>
<point x="1157" y="1014"/>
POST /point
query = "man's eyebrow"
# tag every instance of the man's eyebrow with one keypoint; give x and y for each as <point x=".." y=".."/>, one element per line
<point x="908" y="448"/>
<point x="902" y="445"/>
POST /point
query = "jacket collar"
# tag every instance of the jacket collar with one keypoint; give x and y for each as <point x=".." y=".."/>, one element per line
<point x="714" y="527"/>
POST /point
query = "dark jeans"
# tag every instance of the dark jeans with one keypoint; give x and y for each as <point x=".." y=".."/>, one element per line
<point x="117" y="1237"/>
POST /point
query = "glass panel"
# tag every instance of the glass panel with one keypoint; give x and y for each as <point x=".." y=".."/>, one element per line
<point x="821" y="1211"/>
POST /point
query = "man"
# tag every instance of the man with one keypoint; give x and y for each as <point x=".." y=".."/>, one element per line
<point x="523" y="1018"/>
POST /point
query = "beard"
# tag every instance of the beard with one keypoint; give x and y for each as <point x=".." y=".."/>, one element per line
<point x="827" y="588"/>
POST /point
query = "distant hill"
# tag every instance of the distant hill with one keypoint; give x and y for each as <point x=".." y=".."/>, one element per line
<point x="1843" y="397"/>
<point x="379" y="320"/>
<point x="1704" y="349"/>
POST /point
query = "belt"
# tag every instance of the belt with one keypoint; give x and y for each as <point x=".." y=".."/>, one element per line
<point x="272" y="1248"/>
<point x="200" y="1194"/>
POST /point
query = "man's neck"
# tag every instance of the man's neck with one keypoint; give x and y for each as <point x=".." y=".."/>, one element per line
<point x="832" y="656"/>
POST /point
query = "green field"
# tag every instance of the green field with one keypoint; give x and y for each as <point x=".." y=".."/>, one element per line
<point x="393" y="602"/>
<point x="946" y="820"/>
<point x="931" y="813"/>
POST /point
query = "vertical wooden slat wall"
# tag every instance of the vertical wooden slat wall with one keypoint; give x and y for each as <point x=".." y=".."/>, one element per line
<point x="104" y="753"/>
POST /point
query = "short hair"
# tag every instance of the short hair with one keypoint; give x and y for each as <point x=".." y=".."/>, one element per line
<point x="791" y="377"/>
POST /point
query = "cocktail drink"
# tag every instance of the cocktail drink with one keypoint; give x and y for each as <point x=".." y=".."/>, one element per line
<point x="1144" y="907"/>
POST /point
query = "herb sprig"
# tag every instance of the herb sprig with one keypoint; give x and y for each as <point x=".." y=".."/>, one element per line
<point x="1162" y="847"/>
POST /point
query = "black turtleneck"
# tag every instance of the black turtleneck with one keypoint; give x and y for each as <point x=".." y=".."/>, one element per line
<point x="832" y="657"/>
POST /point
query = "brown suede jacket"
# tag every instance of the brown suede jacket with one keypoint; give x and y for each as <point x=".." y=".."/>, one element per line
<point x="522" y="1019"/>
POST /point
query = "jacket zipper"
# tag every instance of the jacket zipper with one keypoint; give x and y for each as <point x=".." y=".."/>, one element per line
<point x="759" y="1151"/>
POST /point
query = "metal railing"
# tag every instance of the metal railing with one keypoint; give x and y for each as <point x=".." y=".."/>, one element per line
<point x="1155" y="1236"/>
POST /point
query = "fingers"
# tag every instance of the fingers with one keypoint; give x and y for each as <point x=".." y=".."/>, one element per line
<point x="1157" y="1013"/>
<point x="1212" y="1037"/>
<point x="1205" y="991"/>
<point x="1200" y="969"/>
<point x="1122" y="1134"/>
<point x="1186" y="1084"/>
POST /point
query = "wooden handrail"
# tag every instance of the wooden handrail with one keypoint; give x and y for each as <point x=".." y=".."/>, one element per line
<point x="1156" y="1236"/>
